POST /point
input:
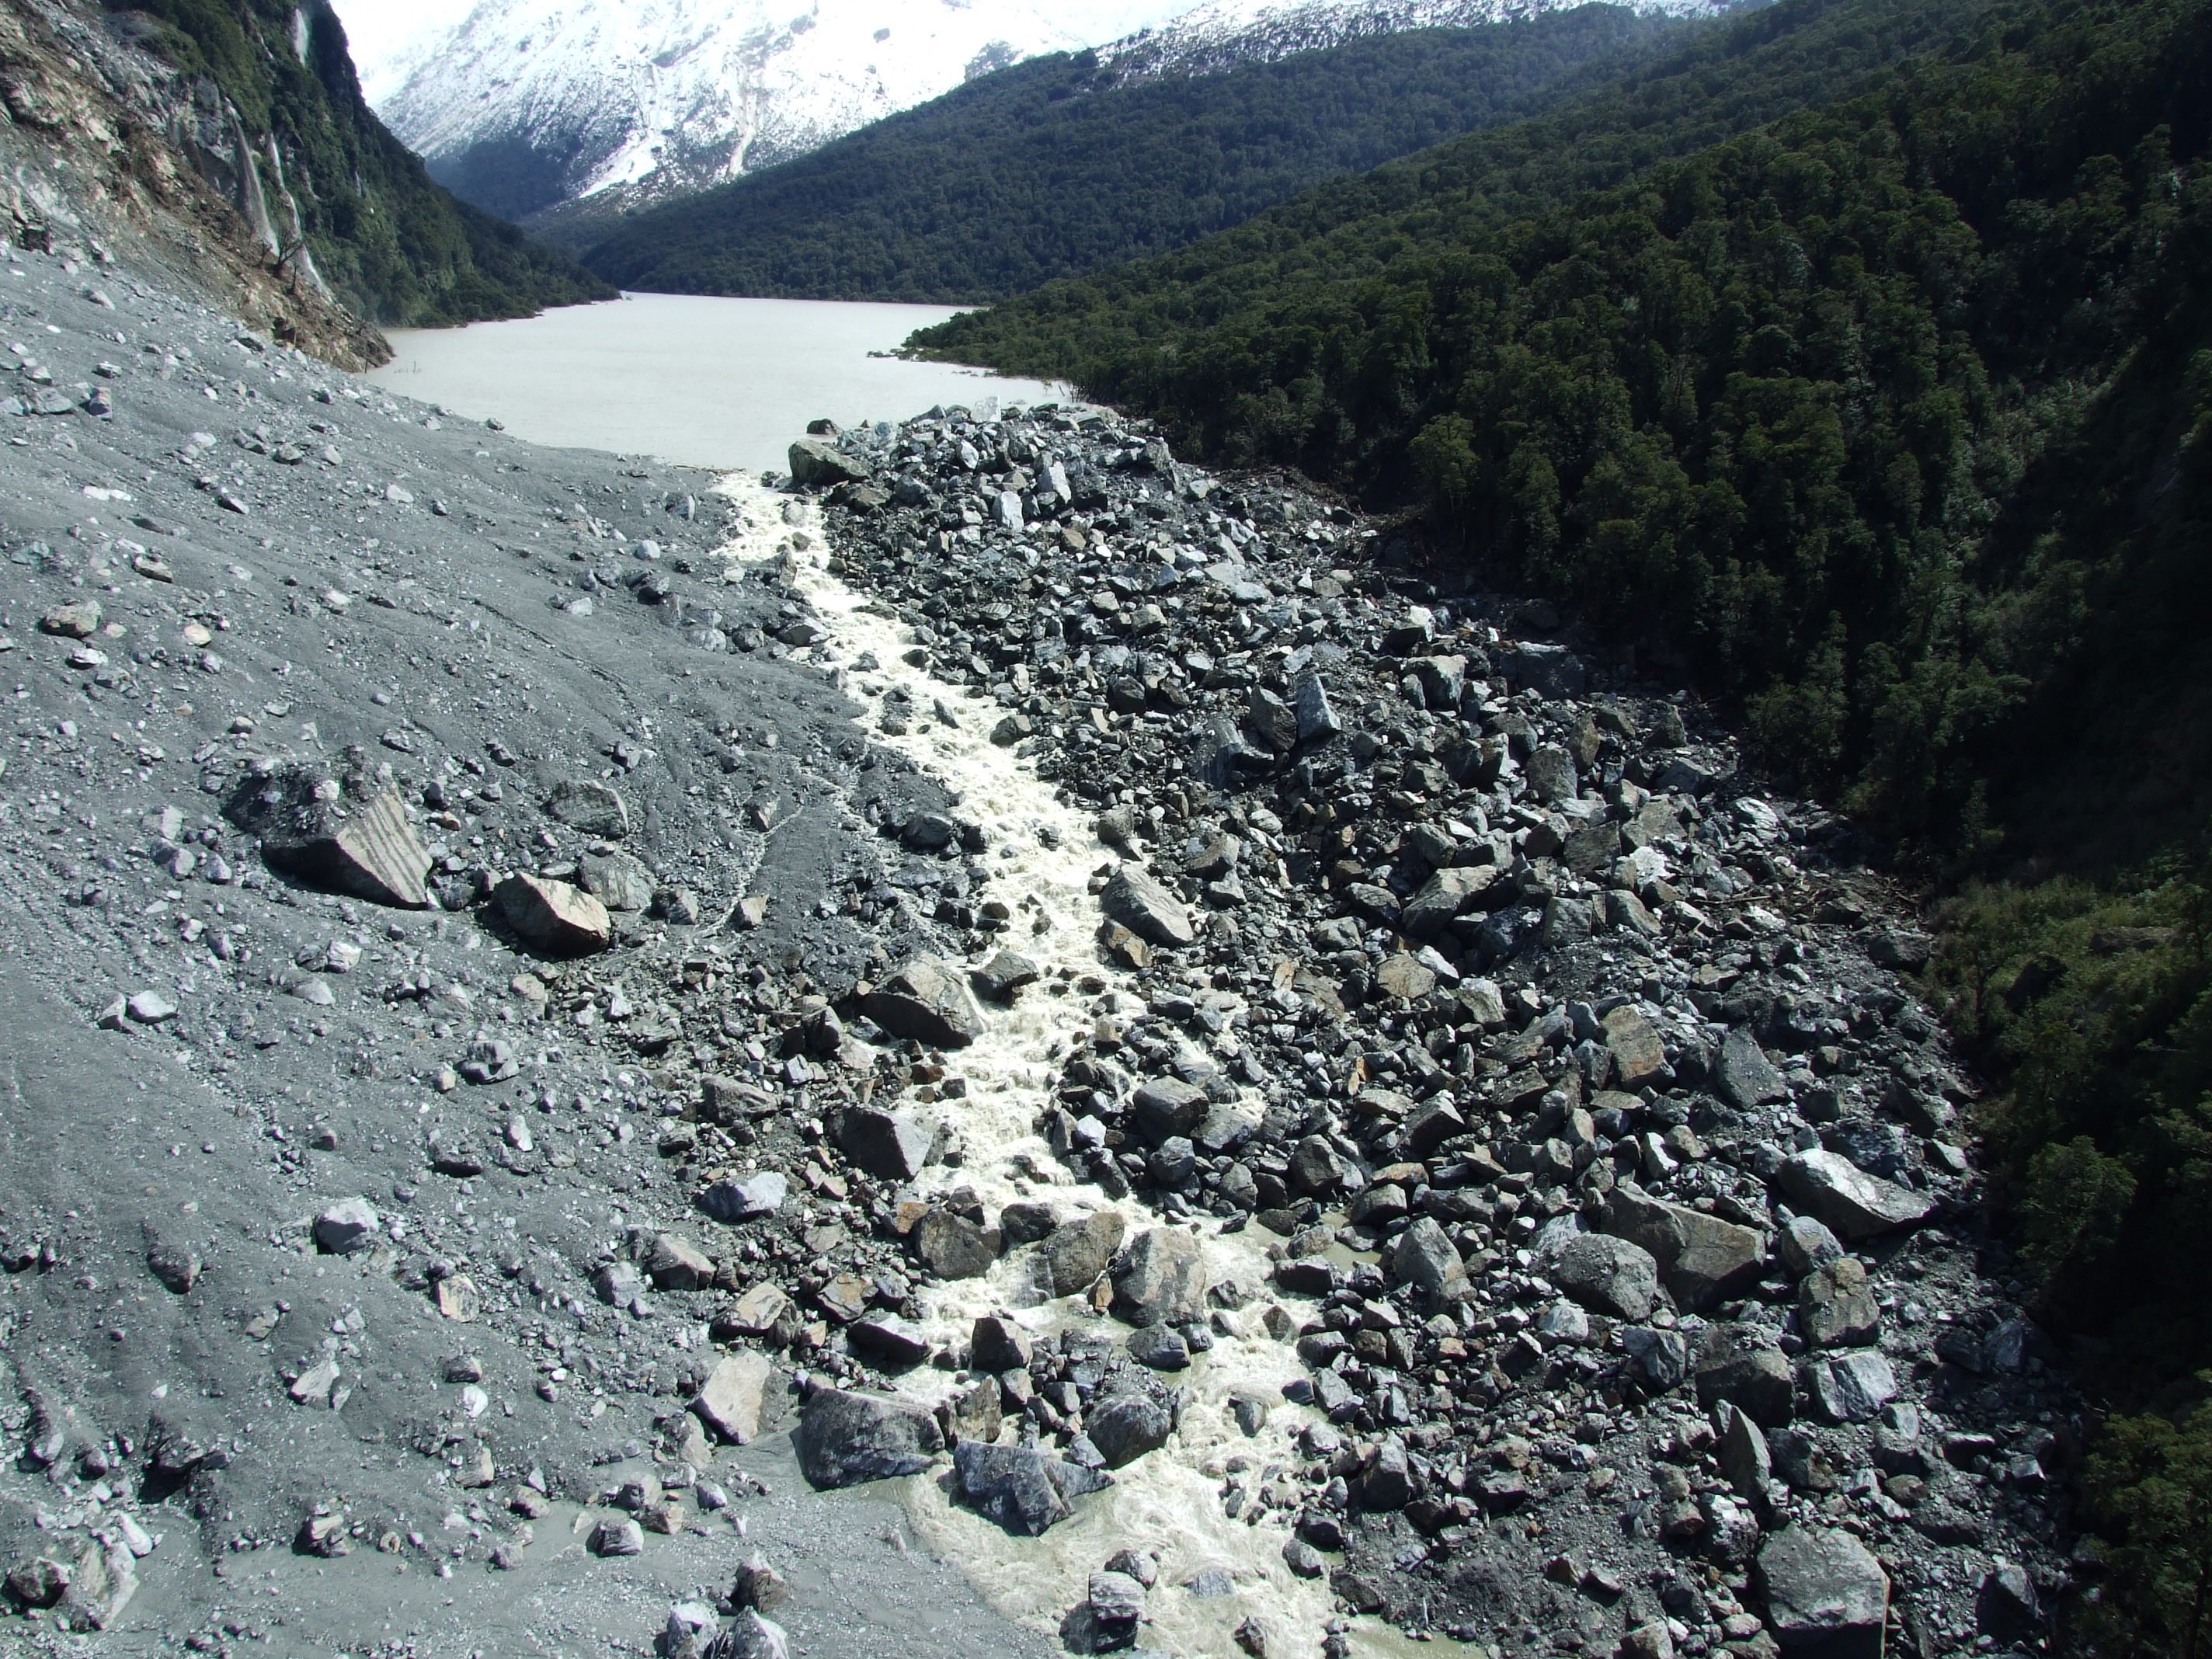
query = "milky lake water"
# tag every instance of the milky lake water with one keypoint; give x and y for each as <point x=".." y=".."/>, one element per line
<point x="700" y="382"/>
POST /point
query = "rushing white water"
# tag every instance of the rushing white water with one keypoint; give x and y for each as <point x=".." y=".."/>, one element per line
<point x="1043" y="854"/>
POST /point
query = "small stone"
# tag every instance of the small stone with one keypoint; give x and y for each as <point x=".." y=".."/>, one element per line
<point x="348" y="1227"/>
<point x="618" y="1537"/>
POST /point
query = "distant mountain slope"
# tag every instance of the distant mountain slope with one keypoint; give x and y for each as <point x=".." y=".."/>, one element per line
<point x="530" y="104"/>
<point x="1058" y="167"/>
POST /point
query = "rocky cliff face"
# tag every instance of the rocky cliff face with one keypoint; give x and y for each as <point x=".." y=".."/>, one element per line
<point x="108" y="146"/>
<point x="237" y="144"/>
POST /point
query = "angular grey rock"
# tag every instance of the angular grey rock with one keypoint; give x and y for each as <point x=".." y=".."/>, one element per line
<point x="1160" y="1276"/>
<point x="1024" y="1490"/>
<point x="1077" y="1252"/>
<point x="1124" y="1426"/>
<point x="310" y="832"/>
<point x="1442" y="680"/>
<point x="1638" y="1054"/>
<point x="1450" y="892"/>
<point x="890" y="1338"/>
<point x="846" y="1438"/>
<point x="889" y="1145"/>
<point x="1551" y="774"/>
<point x="617" y="1536"/>
<point x="746" y="1198"/>
<point x="1852" y="1388"/>
<point x="1317" y="720"/>
<point x="729" y="1400"/>
<point x="1424" y="1255"/>
<point x="617" y="880"/>
<point x="1606" y="1275"/>
<point x="590" y="807"/>
<point x="952" y="1247"/>
<point x="1836" y="1305"/>
<point x="554" y="918"/>
<point x="1007" y="973"/>
<point x="997" y="1344"/>
<point x="1805" y="1243"/>
<point x="749" y="1635"/>
<point x="816" y="463"/>
<point x="1136" y="901"/>
<point x="1166" y="1107"/>
<point x="1744" y="1365"/>
<point x="1744" y="1457"/>
<point x="348" y="1227"/>
<point x="1826" y="1596"/>
<point x="1844" y="1197"/>
<point x="1745" y="1074"/>
<point x="1702" y="1257"/>
<point x="2006" y="1607"/>
<point x="929" y="1001"/>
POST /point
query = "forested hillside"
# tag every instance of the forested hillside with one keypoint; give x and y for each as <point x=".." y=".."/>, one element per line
<point x="1857" y="361"/>
<point x="396" y="247"/>
<point x="1055" y="167"/>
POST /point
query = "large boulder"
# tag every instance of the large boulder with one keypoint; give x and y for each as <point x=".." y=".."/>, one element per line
<point x="889" y="1145"/>
<point x="1424" y="1256"/>
<point x="1606" y="1275"/>
<point x="846" y="1438"/>
<point x="1836" y="1305"/>
<point x="952" y="1246"/>
<point x="1826" y="1596"/>
<point x="311" y="831"/>
<point x="1022" y="1488"/>
<point x="928" y="1001"/>
<point x="816" y="463"/>
<point x="1125" y="1425"/>
<point x="1702" y="1257"/>
<point x="1166" y="1107"/>
<point x="1638" y="1053"/>
<point x="1745" y="1074"/>
<point x="553" y="918"/>
<point x="1854" y="1204"/>
<point x="1074" y="1253"/>
<point x="1854" y="1387"/>
<point x="1160" y="1279"/>
<point x="1449" y="893"/>
<point x="1136" y="901"/>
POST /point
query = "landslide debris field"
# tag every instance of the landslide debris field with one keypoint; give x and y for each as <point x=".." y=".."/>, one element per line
<point x="489" y="1157"/>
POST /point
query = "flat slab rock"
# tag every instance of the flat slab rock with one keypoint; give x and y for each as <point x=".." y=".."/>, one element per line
<point x="553" y="917"/>
<point x="1848" y="1199"/>
<point x="1136" y="900"/>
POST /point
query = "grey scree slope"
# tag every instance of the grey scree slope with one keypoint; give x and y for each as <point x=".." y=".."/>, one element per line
<point x="400" y="600"/>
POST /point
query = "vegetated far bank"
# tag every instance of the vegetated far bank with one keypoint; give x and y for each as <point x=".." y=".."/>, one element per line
<point x="1857" y="361"/>
<point x="1062" y="164"/>
<point x="394" y="246"/>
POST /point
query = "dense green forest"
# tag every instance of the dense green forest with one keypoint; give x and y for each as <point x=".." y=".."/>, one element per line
<point x="396" y="247"/>
<point x="1057" y="166"/>
<point x="1854" y="360"/>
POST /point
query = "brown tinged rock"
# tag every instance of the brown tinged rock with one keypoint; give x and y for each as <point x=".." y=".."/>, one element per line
<point x="730" y="1402"/>
<point x="554" y="918"/>
<point x="952" y="1247"/>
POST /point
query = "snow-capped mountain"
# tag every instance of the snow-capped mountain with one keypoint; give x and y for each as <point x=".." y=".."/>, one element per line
<point x="524" y="104"/>
<point x="541" y="109"/>
<point x="1220" y="34"/>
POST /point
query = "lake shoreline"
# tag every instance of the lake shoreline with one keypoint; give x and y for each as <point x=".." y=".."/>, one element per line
<point x="697" y="381"/>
